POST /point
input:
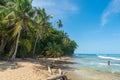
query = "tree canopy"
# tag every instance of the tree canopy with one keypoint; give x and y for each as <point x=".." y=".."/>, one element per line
<point x="26" y="31"/>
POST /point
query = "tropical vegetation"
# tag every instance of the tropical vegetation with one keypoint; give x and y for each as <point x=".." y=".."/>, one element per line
<point x="26" y="31"/>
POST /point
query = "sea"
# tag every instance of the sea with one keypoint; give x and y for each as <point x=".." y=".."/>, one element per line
<point x="97" y="61"/>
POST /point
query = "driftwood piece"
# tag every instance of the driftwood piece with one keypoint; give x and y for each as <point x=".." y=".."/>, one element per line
<point x="49" y="70"/>
<point x="58" y="76"/>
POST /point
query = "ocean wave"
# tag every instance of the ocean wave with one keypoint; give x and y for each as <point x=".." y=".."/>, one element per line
<point x="112" y="58"/>
<point x="116" y="64"/>
<point x="102" y="63"/>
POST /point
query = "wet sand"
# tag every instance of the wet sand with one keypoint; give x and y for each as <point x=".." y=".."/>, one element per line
<point x="31" y="69"/>
<point x="92" y="74"/>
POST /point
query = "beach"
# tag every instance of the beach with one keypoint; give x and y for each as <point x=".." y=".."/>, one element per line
<point x="31" y="69"/>
<point x="91" y="74"/>
<point x="59" y="40"/>
<point x="95" y="66"/>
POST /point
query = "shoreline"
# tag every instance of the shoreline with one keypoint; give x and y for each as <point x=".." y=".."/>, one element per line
<point x="31" y="69"/>
<point x="93" y="74"/>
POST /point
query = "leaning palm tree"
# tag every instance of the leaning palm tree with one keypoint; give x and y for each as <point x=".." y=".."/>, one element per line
<point x="42" y="24"/>
<point x="6" y="22"/>
<point x="19" y="13"/>
<point x="22" y="17"/>
<point x="22" y="11"/>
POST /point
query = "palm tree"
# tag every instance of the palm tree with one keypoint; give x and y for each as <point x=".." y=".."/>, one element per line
<point x="59" y="23"/>
<point x="19" y="15"/>
<point x="20" y="23"/>
<point x="4" y="23"/>
<point x="22" y="17"/>
<point x="41" y="25"/>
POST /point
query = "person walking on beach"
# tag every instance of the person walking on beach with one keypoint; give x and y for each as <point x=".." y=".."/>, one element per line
<point x="108" y="63"/>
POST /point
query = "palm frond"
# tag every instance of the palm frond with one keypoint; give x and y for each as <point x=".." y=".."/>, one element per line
<point x="26" y="43"/>
<point x="17" y="27"/>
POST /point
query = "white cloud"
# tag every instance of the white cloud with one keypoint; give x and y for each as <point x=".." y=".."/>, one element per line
<point x="112" y="9"/>
<point x="57" y="7"/>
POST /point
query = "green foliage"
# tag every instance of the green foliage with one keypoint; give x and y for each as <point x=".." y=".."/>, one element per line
<point x="37" y="35"/>
<point x="26" y="43"/>
<point x="59" y="23"/>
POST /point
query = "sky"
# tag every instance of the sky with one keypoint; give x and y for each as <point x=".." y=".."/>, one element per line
<point x="93" y="24"/>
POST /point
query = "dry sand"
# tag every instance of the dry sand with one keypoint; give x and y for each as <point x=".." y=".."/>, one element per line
<point x="24" y="70"/>
<point x="31" y="69"/>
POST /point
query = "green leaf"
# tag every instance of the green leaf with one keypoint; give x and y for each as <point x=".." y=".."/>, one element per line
<point x="26" y="43"/>
<point x="17" y="27"/>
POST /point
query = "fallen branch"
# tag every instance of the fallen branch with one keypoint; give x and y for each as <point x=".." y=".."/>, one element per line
<point x="49" y="70"/>
<point x="58" y="76"/>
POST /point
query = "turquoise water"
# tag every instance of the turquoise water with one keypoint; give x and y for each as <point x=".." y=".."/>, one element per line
<point x="98" y="61"/>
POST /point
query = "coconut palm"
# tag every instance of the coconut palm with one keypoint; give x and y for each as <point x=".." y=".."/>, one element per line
<point x="42" y="24"/>
<point x="19" y="17"/>
<point x="22" y="26"/>
<point x="23" y="12"/>
<point x="59" y="23"/>
<point x="4" y="23"/>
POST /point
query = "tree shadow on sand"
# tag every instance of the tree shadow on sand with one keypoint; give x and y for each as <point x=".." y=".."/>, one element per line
<point x="4" y="65"/>
<point x="44" y="63"/>
<point x="55" y="64"/>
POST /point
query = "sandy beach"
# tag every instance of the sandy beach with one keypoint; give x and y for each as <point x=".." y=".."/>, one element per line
<point x="91" y="74"/>
<point x="31" y="69"/>
<point x="24" y="70"/>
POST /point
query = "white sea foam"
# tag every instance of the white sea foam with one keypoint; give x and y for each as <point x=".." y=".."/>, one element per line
<point x="103" y="64"/>
<point x="112" y="58"/>
<point x="116" y="64"/>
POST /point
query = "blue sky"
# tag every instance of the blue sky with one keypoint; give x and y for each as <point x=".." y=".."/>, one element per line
<point x="93" y="24"/>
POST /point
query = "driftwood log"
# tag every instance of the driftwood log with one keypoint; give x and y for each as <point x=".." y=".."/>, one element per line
<point x="50" y="70"/>
<point x="58" y="76"/>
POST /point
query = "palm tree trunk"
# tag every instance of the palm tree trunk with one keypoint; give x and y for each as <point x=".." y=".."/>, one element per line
<point x="2" y="44"/>
<point x="35" y="47"/>
<point x="16" y="47"/>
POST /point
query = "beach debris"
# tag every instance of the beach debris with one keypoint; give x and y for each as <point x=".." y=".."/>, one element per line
<point x="58" y="76"/>
<point x="50" y="70"/>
